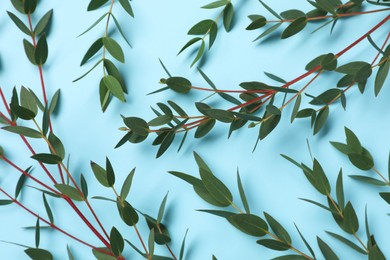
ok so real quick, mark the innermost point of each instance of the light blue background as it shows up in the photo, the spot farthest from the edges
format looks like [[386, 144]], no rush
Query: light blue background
[[272, 184]]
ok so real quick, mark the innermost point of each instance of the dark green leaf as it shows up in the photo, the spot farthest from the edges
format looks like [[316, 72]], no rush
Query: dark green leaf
[[57, 145], [162, 209], [160, 120], [360, 70], [326, 97], [189, 43], [114, 86], [362, 161], [28, 101], [110, 173], [268, 31], [249, 224], [353, 142], [201, 28], [113, 71], [37, 233], [242, 193], [69, 191], [19, 23], [322, 182], [38, 254], [5, 202], [350, 219], [385, 196], [70, 255], [329, 62], [84, 186], [48, 209], [348, 243], [340, 190], [204, 128], [103, 256], [137, 125], [305, 242], [181, 255], [47, 158], [151, 242], [200, 53], [128, 214], [279, 230], [292, 14], [326, 250], [215, 4], [29, 50], [270, 10], [29, 6], [216, 188], [167, 141], [271, 120], [21, 181], [95, 4], [315, 62], [114, 48], [116, 241], [41, 50], [296, 26], [368, 180], [94, 24], [43, 23], [273, 244], [126, 5], [179, 84], [321, 120], [296, 108], [95, 47], [257, 24], [381, 76], [127, 185], [228, 15], [213, 34], [221, 115], [100, 174], [22, 112]]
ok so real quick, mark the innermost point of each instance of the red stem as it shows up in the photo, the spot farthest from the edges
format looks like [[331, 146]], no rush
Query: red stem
[[28, 175], [5, 101], [53, 225]]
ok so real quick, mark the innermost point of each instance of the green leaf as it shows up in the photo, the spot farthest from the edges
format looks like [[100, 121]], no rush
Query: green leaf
[[166, 142], [292, 14], [271, 120], [118, 26], [249, 224], [27, 100], [362, 161], [37, 233], [114, 49], [102, 256], [114, 87], [270, 10], [268, 31], [128, 214], [19, 23], [348, 243], [110, 173], [95, 47], [215, 4], [228, 15], [242, 193], [57, 145], [204, 128], [21, 181], [326, 6], [350, 219], [70, 255], [322, 182], [126, 5], [340, 190], [189, 43], [201, 163], [368, 180], [113, 71], [187, 178], [43, 23], [321, 120], [381, 76], [94, 24], [95, 4], [84, 186], [257, 24], [385, 196], [116, 241], [326, 97], [162, 209], [29, 6], [326, 250], [5, 202], [137, 125], [296, 108], [181, 255], [151, 242], [295, 27], [279, 230], [69, 191], [329, 62], [179, 84], [41, 50], [201, 28], [47, 158], [48, 209], [22, 112], [305, 242], [100, 174], [360, 70], [29, 50], [18, 4], [213, 34], [353, 142], [38, 254], [221, 115], [376, 254], [216, 188], [200, 53], [160, 120], [273, 244], [290, 257], [127, 185]]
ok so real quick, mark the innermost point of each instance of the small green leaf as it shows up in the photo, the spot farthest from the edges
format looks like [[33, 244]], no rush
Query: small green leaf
[[189, 43], [350, 219], [201, 28], [200, 53], [128, 214], [183, 244], [29, 50], [268, 31], [270, 10], [114, 86], [271, 120], [84, 185], [381, 76], [242, 193], [95, 47], [151, 242], [273, 244], [215, 4], [296, 108], [114, 49], [292, 14], [179, 84], [228, 16], [48, 209], [322, 182], [19, 23], [160, 120], [116, 241], [257, 24], [348, 243], [166, 143], [37, 233], [162, 209], [340, 190], [47, 158], [69, 191], [249, 224], [127, 7], [137, 125], [38, 254], [213, 34], [368, 180], [204, 128], [57, 145], [94, 24], [43, 23], [28, 101], [110, 173], [70, 255], [279, 230], [326, 250], [21, 112], [385, 196], [41, 50], [216, 188], [353, 142], [127, 185], [102, 256], [221, 115], [321, 120], [329, 62], [22, 179], [100, 174], [95, 4], [295, 27], [305, 242], [362, 161]]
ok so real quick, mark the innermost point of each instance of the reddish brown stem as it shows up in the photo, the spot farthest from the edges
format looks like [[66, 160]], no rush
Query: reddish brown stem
[[233, 91], [28, 175], [6, 118], [5, 101], [51, 224]]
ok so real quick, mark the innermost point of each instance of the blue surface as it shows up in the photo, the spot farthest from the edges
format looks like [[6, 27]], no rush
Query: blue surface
[[272, 184]]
